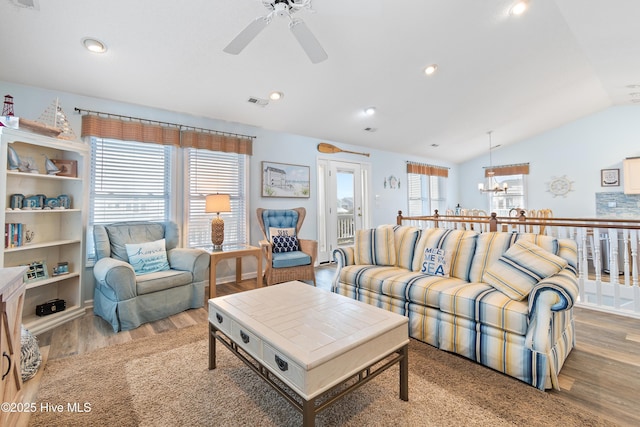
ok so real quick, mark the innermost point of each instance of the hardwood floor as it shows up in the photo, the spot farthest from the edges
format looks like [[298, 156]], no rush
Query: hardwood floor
[[602, 372]]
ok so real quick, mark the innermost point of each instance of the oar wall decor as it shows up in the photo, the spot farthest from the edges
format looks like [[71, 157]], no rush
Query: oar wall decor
[[323, 147]]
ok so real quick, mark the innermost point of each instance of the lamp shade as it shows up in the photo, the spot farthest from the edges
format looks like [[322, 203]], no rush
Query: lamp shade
[[218, 203]]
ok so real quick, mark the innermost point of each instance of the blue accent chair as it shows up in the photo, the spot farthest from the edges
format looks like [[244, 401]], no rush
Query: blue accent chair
[[125, 300], [291, 265]]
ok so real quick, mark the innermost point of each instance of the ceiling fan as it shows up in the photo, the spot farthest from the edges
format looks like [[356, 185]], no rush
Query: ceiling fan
[[281, 8]]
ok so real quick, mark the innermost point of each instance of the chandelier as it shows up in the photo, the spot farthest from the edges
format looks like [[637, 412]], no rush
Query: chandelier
[[492, 184]]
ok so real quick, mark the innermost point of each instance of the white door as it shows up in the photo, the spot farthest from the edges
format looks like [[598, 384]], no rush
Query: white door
[[342, 204]]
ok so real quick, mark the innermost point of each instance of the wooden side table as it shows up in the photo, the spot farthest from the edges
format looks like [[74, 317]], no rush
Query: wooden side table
[[237, 252]]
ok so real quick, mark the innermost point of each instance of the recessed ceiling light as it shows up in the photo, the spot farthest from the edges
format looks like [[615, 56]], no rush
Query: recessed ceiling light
[[519, 7], [94, 45], [276, 96], [370, 111], [430, 69]]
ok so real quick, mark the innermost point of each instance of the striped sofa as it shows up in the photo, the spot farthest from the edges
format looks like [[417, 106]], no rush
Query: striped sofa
[[506, 302]]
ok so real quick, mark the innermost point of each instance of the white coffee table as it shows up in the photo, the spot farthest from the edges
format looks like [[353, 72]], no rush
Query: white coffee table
[[319, 344]]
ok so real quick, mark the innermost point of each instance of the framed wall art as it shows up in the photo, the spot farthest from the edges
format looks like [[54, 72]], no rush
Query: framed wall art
[[285, 180], [610, 177]]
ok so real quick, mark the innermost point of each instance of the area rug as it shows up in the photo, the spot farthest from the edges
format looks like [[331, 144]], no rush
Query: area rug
[[164, 381]]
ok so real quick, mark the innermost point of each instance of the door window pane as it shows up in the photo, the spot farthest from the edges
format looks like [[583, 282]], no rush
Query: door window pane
[[345, 207]]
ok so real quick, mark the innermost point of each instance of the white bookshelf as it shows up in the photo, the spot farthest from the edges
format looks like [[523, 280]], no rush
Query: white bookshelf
[[58, 234]]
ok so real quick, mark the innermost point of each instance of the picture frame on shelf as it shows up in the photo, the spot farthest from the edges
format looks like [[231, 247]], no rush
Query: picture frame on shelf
[[61, 268], [285, 180], [610, 177], [67, 167], [37, 270]]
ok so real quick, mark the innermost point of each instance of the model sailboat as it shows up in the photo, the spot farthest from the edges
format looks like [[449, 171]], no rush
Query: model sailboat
[[50, 167], [54, 116]]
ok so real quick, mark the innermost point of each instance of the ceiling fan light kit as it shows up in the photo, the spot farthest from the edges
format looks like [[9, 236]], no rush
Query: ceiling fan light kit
[[299, 29]]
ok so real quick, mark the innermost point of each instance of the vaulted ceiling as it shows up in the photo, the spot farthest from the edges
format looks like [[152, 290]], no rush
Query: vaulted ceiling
[[515, 75]]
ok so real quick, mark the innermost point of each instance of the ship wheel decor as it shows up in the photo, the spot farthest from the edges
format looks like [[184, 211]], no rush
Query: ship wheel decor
[[560, 186]]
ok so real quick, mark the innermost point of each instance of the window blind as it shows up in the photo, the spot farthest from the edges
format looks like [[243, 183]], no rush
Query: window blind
[[210, 172], [130, 181], [425, 194]]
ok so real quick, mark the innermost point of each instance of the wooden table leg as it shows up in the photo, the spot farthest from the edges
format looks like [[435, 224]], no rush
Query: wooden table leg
[[212, 278], [238, 269], [259, 282], [308, 413], [404, 373], [212, 347]]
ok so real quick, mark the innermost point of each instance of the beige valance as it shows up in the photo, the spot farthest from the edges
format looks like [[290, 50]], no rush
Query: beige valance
[[423, 169], [165, 134], [520, 169]]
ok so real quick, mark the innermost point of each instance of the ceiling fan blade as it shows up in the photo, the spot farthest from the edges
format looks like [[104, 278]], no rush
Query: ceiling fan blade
[[249, 33], [308, 41]]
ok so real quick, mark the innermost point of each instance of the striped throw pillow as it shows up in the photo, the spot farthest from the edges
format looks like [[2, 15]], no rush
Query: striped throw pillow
[[405, 238], [520, 268], [375, 246]]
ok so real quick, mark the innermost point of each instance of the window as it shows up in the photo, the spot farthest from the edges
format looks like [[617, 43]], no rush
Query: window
[[122, 190], [166, 177], [130, 181], [211, 172], [426, 194], [515, 196], [426, 189]]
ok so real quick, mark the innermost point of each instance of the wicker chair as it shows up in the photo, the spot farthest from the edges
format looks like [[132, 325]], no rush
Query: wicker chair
[[286, 264]]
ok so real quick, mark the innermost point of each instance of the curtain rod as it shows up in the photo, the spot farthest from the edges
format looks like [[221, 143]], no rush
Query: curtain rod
[[180, 126], [506, 166], [426, 164]]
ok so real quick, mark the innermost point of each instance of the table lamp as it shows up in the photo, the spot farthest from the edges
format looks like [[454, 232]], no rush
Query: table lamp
[[217, 203]]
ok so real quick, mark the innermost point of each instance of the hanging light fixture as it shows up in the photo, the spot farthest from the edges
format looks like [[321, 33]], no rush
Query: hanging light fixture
[[493, 186]]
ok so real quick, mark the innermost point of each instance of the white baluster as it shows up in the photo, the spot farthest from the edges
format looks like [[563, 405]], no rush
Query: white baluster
[[583, 263], [634, 257], [613, 266], [625, 238], [634, 270], [597, 264]]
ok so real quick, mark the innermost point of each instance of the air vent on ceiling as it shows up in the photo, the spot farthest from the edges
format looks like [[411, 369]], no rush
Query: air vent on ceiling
[[371, 129], [28, 4], [258, 101]]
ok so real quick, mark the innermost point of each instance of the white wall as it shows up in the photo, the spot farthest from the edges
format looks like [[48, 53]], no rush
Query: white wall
[[579, 150]]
